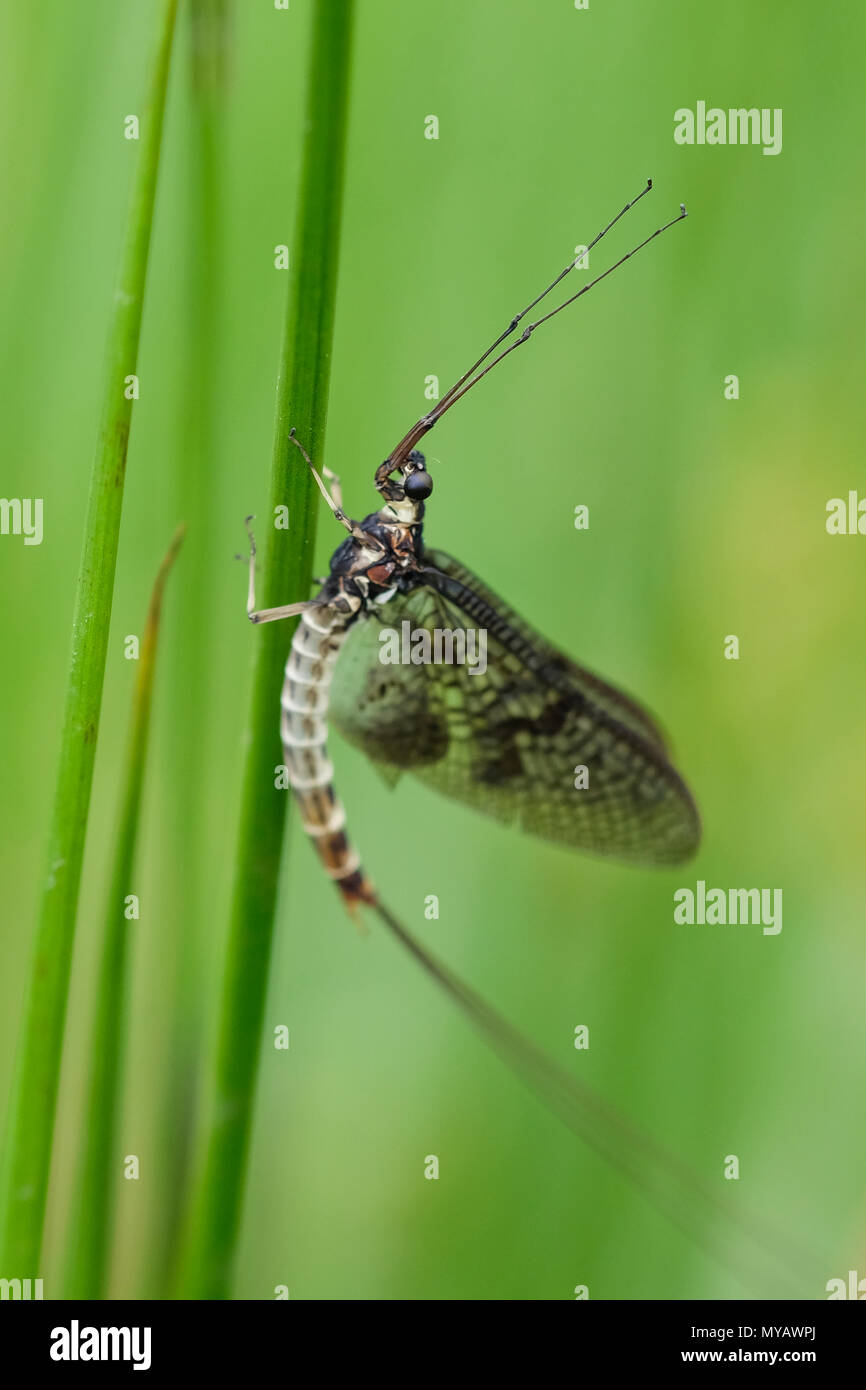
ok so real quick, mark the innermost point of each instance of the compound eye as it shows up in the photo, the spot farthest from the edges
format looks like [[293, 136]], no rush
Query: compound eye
[[418, 485]]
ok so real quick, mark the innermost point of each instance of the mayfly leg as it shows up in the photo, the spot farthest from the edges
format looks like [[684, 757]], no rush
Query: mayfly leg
[[335, 501], [268, 615], [336, 485]]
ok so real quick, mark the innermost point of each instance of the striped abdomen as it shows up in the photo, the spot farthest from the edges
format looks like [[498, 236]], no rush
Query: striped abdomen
[[304, 731]]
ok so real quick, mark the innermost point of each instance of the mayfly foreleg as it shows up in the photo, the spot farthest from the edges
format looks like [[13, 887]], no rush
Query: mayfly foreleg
[[335, 501], [268, 615], [336, 486]]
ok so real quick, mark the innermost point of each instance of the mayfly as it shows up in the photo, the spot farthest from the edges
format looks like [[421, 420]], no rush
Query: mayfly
[[505, 742]]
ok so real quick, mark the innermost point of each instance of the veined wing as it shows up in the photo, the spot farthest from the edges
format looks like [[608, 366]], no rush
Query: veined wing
[[509, 740]]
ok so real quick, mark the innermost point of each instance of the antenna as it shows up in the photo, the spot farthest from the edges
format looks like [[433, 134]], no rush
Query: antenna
[[473, 376]]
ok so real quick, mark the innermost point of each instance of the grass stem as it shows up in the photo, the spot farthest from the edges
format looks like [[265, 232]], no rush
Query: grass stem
[[24, 1183], [90, 1224], [190, 638], [302, 394]]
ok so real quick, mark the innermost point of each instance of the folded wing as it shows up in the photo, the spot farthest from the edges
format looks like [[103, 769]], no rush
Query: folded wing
[[508, 740]]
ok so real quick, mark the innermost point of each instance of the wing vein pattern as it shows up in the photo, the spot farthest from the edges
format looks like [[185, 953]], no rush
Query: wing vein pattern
[[507, 740]]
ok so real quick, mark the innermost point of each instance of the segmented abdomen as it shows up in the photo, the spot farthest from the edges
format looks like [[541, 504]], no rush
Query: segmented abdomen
[[304, 731]]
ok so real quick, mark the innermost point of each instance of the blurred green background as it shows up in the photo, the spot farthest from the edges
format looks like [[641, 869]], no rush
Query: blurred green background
[[707, 518]]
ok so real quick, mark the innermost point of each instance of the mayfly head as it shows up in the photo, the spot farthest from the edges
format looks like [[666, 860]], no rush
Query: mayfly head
[[417, 483], [412, 484]]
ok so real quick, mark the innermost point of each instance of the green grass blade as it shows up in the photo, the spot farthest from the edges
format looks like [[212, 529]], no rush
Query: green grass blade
[[302, 395], [195, 618], [34, 1092], [89, 1231]]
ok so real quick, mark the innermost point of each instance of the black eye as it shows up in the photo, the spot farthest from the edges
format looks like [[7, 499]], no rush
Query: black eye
[[418, 485]]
